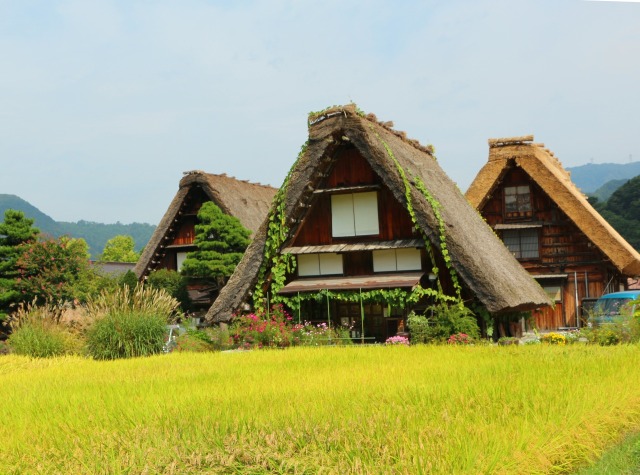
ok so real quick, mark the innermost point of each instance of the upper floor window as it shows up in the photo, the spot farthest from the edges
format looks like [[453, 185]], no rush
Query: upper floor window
[[523, 243], [517, 201], [354, 214]]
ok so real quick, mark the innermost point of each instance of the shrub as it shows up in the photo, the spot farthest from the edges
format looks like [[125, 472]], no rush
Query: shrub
[[174, 283], [126, 334], [220, 337], [446, 320], [418, 327], [194, 340], [625, 329]]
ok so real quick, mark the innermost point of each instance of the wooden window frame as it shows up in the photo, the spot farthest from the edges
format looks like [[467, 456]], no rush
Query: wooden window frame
[[360, 221], [523, 207], [521, 234]]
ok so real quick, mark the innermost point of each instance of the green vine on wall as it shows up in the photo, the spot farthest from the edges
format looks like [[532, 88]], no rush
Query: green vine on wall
[[277, 232], [435, 206], [396, 297]]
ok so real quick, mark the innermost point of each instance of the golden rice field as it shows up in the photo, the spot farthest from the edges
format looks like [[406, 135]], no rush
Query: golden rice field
[[423, 409]]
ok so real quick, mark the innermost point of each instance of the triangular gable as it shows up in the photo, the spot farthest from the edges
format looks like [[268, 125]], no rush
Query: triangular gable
[[406, 169], [249, 202], [547, 172]]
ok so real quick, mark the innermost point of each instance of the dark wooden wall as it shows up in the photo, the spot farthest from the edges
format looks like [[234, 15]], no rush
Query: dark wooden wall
[[563, 249], [351, 169]]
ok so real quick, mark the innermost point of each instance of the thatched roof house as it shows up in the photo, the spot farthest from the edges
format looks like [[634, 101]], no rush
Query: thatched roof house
[[547, 171], [249, 202], [402, 171], [524, 193]]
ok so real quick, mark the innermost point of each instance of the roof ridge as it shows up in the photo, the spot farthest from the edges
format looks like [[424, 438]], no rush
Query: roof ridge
[[352, 110], [224, 175], [506, 141]]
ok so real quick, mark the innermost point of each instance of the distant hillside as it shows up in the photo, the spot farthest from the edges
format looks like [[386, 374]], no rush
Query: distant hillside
[[605, 191], [96, 234], [592, 176], [622, 211]]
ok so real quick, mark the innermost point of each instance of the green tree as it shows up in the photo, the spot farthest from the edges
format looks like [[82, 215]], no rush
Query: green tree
[[54, 270], [120, 249], [221, 240], [622, 211], [16, 231]]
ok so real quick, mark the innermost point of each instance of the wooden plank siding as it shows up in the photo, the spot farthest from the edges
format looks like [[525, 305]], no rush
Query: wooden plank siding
[[562, 250], [353, 170]]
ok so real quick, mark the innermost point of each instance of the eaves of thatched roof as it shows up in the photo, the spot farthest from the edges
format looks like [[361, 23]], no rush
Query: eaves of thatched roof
[[249, 202], [547, 171], [479, 257]]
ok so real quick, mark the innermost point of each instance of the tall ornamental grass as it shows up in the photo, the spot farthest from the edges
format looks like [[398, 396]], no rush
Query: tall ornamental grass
[[343, 410], [129, 323], [37, 331]]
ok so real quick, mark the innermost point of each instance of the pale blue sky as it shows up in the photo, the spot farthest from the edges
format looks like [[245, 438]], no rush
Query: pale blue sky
[[103, 104]]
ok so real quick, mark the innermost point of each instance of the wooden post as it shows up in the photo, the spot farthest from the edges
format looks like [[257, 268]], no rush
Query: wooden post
[[361, 319], [328, 315]]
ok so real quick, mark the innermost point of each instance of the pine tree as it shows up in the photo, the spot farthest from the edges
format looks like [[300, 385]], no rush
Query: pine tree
[[16, 231], [221, 240]]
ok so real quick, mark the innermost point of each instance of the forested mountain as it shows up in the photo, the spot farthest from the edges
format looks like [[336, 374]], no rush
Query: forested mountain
[[605, 191], [96, 234], [622, 211], [592, 176]]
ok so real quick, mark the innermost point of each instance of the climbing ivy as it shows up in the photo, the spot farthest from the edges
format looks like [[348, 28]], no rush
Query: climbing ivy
[[435, 206], [278, 263], [395, 297]]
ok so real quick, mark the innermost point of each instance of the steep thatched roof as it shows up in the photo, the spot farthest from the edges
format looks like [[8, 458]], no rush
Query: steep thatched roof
[[249, 202], [547, 171], [481, 260]]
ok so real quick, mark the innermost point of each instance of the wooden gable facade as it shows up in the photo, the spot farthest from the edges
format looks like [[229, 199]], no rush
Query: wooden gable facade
[[357, 211], [371, 245], [526, 196], [174, 237]]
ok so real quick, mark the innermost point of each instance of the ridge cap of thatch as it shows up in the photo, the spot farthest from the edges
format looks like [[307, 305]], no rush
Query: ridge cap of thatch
[[196, 175], [506, 141], [352, 111]]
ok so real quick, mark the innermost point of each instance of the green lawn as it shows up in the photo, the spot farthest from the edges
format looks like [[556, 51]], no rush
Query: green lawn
[[622, 459], [423, 409]]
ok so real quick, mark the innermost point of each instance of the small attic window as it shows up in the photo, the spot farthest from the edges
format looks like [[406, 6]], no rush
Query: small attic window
[[354, 214], [517, 201]]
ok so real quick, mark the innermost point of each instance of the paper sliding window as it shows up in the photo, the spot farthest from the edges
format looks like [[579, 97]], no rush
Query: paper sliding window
[[392, 260], [319, 264], [354, 214], [180, 258]]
